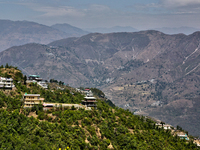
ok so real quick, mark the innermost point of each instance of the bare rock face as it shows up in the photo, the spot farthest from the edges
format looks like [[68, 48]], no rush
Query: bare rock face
[[148, 72]]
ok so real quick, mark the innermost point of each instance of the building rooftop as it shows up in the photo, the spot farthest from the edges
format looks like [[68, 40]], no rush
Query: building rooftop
[[31, 94], [89, 97], [2, 78], [36, 76], [89, 101]]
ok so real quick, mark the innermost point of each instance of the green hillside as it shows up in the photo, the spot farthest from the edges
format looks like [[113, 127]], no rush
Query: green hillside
[[67, 128]]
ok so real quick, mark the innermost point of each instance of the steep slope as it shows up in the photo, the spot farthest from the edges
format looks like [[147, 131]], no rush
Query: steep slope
[[45, 61], [119, 53], [69, 128], [171, 77]]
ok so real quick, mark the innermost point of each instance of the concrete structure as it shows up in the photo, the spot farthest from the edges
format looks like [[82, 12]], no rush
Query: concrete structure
[[38, 80], [34, 77], [183, 136], [43, 84], [47, 105], [6, 83], [86, 91], [32, 99], [89, 101], [197, 141], [165, 126]]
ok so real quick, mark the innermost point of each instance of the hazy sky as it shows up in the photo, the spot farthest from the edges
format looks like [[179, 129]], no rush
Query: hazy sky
[[140, 14]]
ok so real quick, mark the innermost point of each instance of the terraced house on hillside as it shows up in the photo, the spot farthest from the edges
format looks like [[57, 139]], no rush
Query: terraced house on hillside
[[6, 83], [38, 80], [32, 99]]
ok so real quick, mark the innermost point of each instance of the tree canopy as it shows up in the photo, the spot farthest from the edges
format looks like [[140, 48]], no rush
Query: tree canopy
[[102, 128]]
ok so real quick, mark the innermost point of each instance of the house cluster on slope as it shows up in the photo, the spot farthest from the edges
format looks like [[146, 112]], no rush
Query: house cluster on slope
[[34, 99], [38, 80], [7, 83], [30, 100], [181, 135]]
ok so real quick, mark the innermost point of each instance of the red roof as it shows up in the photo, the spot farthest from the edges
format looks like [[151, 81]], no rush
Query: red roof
[[87, 89]]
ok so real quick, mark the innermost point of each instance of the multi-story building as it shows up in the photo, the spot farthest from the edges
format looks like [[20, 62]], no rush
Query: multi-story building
[[89, 101], [6, 83], [32, 99]]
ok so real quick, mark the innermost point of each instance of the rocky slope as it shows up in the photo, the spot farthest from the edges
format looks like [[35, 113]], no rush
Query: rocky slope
[[148, 72]]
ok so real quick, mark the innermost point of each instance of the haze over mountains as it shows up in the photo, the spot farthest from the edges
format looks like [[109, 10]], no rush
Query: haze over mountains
[[149, 72], [184, 30], [166, 30], [112, 29], [73, 31], [14, 33]]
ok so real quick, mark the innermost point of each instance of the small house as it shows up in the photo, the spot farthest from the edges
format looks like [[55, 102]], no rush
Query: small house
[[167, 126], [183, 136], [6, 83], [35, 77]]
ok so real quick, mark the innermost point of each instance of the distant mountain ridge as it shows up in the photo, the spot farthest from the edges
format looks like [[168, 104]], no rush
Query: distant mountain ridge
[[15, 33], [113, 29], [67, 28], [184, 30]]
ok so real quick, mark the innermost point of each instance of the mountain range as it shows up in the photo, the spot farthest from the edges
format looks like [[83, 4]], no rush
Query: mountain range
[[166, 30], [148, 72], [15, 33]]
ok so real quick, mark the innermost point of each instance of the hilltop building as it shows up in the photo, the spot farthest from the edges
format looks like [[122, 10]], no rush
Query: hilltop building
[[6, 83], [165, 126], [32, 99], [183, 136], [38, 80], [34, 77], [89, 102]]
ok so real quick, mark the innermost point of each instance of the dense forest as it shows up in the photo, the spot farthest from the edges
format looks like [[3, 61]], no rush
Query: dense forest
[[69, 128]]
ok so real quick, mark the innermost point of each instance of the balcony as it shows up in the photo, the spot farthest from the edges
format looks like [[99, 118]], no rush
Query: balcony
[[33, 103], [91, 105], [34, 99]]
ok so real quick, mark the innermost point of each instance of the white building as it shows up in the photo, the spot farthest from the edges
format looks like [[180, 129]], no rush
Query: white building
[[165, 126], [6, 83], [38, 80], [43, 84]]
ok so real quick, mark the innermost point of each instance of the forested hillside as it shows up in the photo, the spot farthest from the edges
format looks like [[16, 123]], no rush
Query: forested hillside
[[103, 128]]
